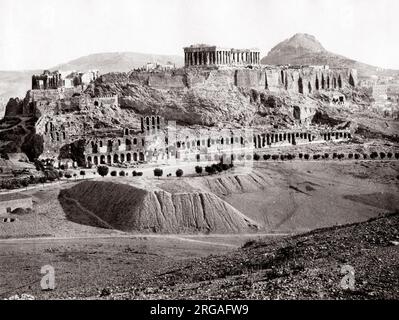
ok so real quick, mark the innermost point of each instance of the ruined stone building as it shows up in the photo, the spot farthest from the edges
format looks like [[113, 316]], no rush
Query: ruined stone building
[[56, 79], [204, 55]]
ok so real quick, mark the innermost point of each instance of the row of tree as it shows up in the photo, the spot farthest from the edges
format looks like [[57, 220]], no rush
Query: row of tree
[[306, 156]]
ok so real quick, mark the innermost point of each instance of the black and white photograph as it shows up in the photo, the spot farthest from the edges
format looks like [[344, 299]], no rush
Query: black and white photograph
[[223, 152]]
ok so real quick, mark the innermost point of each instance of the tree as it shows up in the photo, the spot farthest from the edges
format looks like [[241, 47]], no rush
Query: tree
[[75, 175], [306, 156], [335, 155], [102, 170], [82, 173], [68, 175], [122, 173], [364, 156], [256, 157], [300, 155], [326, 155], [275, 156], [113, 173], [210, 169], [266, 156], [225, 166], [134, 173], [350, 155], [198, 169], [158, 172], [179, 173]]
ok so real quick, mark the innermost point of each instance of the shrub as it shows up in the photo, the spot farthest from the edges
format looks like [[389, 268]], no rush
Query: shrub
[[282, 157], [225, 167], [275, 156], [350, 155], [382, 155], [179, 173], [66, 175], [326, 155], [256, 157], [210, 169], [122, 173], [266, 156], [198, 169], [335, 155], [82, 173], [231, 165], [102, 170], [316, 156], [134, 173], [139, 174], [306, 156], [158, 172], [60, 174], [113, 173]]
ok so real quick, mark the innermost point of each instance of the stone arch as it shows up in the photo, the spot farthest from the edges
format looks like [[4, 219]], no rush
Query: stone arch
[[109, 159], [94, 147], [178, 144], [135, 141], [116, 158], [334, 83], [46, 127], [57, 134], [323, 82], [109, 145], [282, 77], [128, 157], [95, 159], [310, 87], [141, 156], [209, 142], [128, 143], [101, 143], [102, 159], [351, 80], [153, 121], [328, 82], [339, 82], [300, 85], [89, 160], [122, 157], [317, 84], [135, 156], [126, 131], [96, 103]]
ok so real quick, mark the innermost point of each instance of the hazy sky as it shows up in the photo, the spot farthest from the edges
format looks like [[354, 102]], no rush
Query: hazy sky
[[43, 33]]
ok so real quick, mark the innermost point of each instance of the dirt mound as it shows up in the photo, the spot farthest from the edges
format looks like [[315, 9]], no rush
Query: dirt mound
[[128, 208]]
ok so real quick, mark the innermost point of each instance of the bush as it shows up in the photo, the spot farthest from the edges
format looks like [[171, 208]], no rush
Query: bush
[[113, 173], [365, 156], [60, 174], [282, 157], [179, 173], [210, 169], [231, 165], [326, 155], [198, 169], [335, 155], [389, 155], [134, 173], [266, 156], [102, 170], [350, 155], [275, 156], [306, 156], [316, 156], [82, 173], [122, 173], [300, 155], [66, 175], [225, 167], [158, 172], [139, 174], [256, 157], [382, 155]]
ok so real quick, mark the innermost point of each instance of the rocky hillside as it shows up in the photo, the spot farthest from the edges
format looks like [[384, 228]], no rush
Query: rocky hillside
[[305, 49], [315, 265]]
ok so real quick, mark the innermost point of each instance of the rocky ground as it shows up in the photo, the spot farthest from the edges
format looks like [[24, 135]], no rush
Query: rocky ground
[[314, 265]]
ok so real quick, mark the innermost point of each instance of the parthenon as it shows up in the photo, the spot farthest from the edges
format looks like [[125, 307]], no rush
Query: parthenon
[[204, 55]]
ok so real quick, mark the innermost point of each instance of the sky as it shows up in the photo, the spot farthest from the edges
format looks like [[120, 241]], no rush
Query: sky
[[43, 33]]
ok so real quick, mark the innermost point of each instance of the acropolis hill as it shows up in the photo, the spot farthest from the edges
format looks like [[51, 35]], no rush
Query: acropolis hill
[[89, 118]]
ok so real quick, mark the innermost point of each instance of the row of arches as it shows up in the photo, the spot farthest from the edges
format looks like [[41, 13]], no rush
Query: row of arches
[[57, 136], [320, 84], [209, 142], [115, 158], [119, 145], [150, 122]]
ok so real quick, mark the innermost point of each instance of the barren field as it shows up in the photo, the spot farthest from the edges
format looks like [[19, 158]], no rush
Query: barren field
[[282, 198]]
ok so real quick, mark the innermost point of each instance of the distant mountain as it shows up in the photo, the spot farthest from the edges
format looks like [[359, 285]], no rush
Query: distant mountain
[[305, 49], [117, 61], [16, 83]]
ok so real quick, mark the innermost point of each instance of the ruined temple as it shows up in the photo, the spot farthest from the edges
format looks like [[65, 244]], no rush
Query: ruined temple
[[204, 55]]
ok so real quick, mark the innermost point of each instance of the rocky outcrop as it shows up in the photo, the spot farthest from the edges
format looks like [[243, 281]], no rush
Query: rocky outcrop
[[128, 208]]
